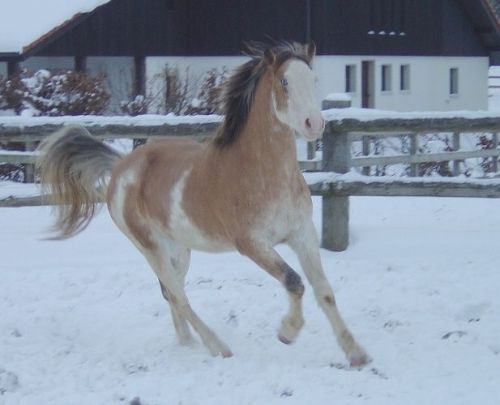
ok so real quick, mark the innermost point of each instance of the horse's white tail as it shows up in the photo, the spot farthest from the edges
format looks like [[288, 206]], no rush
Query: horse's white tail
[[74, 171]]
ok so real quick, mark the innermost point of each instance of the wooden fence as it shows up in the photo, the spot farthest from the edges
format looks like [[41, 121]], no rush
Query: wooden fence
[[335, 182], [337, 158]]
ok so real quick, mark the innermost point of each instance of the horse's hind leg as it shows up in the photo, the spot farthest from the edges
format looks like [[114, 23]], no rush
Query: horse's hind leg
[[162, 260], [181, 326], [306, 245], [179, 259]]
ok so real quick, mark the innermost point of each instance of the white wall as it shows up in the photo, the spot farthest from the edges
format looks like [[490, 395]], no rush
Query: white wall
[[119, 73], [429, 78], [429, 82], [40, 62]]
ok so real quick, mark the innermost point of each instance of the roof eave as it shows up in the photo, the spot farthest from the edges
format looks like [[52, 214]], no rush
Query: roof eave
[[9, 56], [54, 34], [491, 38]]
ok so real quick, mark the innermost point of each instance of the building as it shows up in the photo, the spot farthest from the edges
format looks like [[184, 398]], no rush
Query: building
[[389, 54]]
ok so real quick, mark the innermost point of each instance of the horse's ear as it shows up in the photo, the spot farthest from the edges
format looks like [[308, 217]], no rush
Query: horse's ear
[[269, 57], [311, 51]]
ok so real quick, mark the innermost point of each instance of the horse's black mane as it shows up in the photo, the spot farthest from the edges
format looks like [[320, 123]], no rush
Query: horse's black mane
[[239, 91]]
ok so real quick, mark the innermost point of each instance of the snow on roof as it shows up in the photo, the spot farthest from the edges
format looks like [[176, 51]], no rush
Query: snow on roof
[[22, 22]]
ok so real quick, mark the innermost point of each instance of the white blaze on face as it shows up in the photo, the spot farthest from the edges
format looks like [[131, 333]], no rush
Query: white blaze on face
[[302, 112]]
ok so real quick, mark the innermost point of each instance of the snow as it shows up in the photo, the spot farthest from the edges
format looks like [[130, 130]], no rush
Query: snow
[[83, 320], [353, 176], [339, 114], [148, 120], [24, 21], [338, 97], [368, 114], [14, 189]]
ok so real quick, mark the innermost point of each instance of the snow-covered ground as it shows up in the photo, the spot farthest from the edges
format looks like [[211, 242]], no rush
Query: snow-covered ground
[[83, 321]]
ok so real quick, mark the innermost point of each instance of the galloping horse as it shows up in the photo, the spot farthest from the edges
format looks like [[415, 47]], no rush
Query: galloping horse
[[242, 190]]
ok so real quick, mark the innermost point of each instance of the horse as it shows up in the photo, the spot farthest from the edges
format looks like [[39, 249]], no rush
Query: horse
[[240, 191]]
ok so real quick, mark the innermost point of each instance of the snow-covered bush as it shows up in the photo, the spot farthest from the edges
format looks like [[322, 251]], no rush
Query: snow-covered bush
[[12, 172], [207, 101], [177, 90], [436, 143], [11, 94], [138, 106], [179, 93], [54, 94], [428, 144], [487, 141]]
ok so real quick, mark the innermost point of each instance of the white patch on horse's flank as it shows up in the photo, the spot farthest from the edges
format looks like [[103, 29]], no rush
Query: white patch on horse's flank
[[182, 230], [301, 96], [118, 199]]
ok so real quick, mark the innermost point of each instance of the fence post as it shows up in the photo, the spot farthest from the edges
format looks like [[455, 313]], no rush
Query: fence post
[[413, 151], [29, 168], [334, 100], [495, 146], [335, 224], [366, 151], [456, 148]]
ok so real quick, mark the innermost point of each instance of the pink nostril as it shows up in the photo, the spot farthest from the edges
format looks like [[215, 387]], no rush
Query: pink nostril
[[308, 123]]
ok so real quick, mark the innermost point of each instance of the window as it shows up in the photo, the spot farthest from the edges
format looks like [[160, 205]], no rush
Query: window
[[404, 78], [350, 78], [386, 78], [453, 81]]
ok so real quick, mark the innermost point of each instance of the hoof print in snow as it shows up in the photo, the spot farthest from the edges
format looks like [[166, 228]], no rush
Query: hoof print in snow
[[286, 393], [340, 366], [232, 318], [495, 350], [135, 369], [392, 324], [16, 333], [9, 382], [136, 401], [455, 333], [378, 373]]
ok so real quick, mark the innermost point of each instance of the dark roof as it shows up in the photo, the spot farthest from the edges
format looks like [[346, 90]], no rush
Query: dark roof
[[218, 27], [485, 18]]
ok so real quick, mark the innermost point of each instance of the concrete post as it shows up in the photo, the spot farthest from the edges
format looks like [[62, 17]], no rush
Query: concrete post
[[336, 158]]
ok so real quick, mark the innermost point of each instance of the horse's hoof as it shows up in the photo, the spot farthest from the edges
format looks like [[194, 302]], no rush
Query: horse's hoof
[[226, 354], [360, 361], [284, 340]]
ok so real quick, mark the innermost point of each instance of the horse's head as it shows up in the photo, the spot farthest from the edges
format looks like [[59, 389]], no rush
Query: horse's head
[[293, 88], [287, 66]]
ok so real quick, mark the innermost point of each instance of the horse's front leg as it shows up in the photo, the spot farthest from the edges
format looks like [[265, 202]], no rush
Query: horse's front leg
[[268, 259], [305, 244]]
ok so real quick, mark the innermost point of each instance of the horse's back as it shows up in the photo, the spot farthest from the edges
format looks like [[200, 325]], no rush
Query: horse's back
[[156, 165]]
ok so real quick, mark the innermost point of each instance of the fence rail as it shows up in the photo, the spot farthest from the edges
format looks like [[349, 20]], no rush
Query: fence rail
[[337, 157], [335, 184]]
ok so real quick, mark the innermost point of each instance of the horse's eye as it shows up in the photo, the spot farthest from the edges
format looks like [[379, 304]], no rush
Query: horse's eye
[[284, 82]]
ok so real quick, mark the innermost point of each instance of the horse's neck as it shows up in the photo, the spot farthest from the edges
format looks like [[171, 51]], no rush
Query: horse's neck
[[265, 140]]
